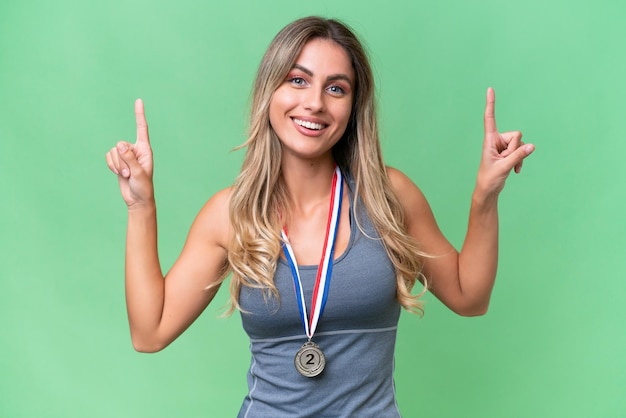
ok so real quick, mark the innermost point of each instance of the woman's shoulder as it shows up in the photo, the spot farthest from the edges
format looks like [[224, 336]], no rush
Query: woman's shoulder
[[219, 203], [213, 219], [399, 181], [410, 196]]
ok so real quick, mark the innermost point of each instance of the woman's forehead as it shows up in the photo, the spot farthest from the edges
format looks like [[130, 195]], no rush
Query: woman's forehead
[[324, 57]]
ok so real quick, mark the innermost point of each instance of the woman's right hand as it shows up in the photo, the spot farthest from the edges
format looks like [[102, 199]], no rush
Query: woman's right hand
[[133, 164]]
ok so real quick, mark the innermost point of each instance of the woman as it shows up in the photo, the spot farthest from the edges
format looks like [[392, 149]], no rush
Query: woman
[[314, 209]]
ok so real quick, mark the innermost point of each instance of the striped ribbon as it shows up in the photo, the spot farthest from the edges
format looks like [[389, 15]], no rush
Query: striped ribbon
[[325, 268]]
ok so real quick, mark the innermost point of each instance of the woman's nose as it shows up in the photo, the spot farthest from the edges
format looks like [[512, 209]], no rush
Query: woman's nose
[[314, 100]]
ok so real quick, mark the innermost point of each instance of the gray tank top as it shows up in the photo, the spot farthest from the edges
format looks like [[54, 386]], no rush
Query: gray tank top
[[357, 333]]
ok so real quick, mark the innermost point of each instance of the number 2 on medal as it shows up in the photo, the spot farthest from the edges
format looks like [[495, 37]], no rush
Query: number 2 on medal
[[310, 361]]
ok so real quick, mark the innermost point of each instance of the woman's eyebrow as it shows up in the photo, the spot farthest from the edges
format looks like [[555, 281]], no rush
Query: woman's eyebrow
[[339, 77], [329, 78], [303, 69]]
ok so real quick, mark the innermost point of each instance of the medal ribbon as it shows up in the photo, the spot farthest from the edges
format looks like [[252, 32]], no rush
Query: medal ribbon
[[325, 268]]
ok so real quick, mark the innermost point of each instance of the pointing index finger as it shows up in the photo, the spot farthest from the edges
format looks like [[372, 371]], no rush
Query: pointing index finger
[[142, 124], [490, 112]]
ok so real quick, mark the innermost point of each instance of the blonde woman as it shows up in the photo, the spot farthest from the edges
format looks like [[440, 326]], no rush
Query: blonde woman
[[314, 210]]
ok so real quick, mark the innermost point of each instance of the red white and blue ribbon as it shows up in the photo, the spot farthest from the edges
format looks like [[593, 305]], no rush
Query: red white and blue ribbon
[[325, 268]]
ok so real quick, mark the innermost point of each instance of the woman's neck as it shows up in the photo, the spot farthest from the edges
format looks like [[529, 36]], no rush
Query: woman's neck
[[308, 183]]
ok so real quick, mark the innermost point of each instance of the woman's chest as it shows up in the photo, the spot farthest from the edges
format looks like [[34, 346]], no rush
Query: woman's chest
[[361, 294]]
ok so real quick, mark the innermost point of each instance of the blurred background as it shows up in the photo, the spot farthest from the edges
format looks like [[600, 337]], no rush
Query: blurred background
[[554, 341]]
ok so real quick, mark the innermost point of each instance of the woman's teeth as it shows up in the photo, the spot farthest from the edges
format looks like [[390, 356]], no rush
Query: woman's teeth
[[309, 125]]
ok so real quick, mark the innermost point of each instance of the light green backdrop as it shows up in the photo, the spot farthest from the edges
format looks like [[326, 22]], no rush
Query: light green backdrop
[[554, 341]]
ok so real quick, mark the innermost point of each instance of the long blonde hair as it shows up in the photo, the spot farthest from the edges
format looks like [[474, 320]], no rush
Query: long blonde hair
[[259, 192]]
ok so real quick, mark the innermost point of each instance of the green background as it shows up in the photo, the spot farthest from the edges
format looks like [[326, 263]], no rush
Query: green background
[[554, 341]]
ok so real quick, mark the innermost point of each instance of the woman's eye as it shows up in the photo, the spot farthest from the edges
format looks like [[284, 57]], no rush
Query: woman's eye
[[297, 81], [336, 90]]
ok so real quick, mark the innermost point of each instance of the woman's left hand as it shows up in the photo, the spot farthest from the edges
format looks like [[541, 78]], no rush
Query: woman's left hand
[[502, 152]]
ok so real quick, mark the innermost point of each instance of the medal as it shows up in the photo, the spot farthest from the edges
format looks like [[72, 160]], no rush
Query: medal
[[310, 360]]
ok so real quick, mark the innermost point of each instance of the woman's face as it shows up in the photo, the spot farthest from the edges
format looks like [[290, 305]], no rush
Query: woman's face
[[310, 110]]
